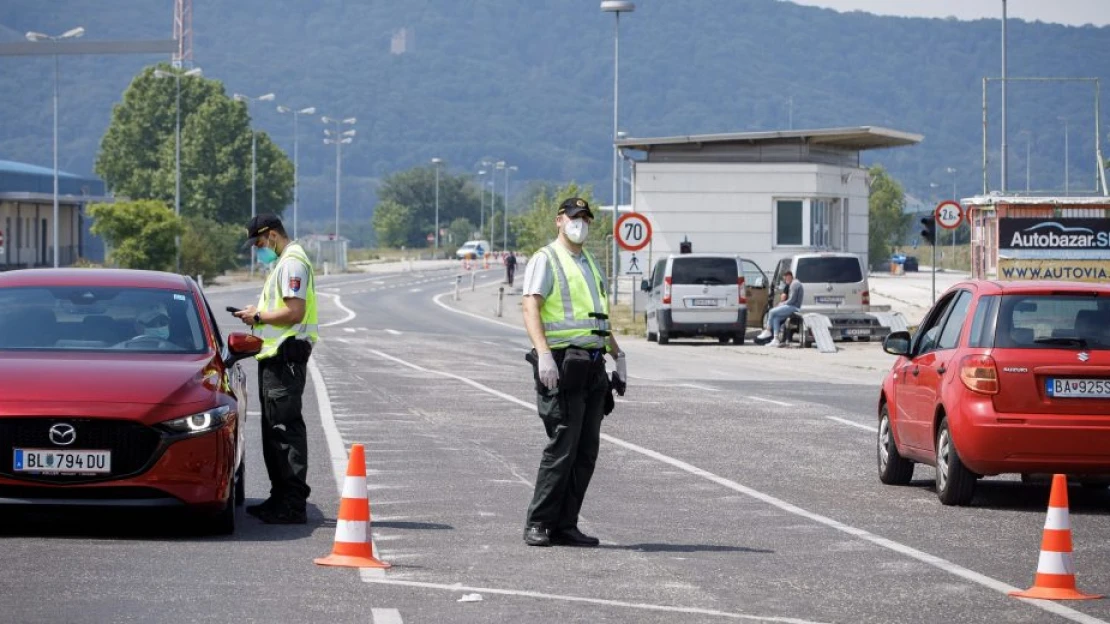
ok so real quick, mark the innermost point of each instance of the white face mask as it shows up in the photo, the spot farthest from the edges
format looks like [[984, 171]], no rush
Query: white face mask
[[576, 230], [158, 332]]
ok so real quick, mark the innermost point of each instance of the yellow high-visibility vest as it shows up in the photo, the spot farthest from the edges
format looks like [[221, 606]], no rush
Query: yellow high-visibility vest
[[271, 299], [577, 312]]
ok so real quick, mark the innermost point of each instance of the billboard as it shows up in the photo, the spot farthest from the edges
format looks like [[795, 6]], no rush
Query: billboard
[[1053, 234], [1018, 269]]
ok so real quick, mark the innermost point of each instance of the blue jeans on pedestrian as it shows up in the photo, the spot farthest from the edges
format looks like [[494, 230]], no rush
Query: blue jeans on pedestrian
[[777, 316]]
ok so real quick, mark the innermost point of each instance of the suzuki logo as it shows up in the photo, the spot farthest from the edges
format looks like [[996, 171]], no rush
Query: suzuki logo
[[63, 434], [1084, 356]]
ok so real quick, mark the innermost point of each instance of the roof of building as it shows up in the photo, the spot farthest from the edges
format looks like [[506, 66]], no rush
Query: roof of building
[[1018, 200], [25, 181], [852, 138]]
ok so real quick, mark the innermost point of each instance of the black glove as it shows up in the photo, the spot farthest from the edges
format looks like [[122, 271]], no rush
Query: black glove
[[616, 384]]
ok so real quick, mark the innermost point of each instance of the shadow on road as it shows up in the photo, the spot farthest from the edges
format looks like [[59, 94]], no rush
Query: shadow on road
[[420, 526], [1032, 497], [684, 548]]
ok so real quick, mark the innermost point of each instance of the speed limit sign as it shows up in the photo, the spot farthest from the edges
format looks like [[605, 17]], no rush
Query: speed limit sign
[[949, 215], [633, 231]]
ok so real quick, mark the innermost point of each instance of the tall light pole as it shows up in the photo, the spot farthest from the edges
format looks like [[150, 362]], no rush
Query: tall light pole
[[505, 215], [338, 139], [254, 160], [311, 110], [176, 75], [1067, 173], [1028, 156], [952, 172], [36, 37], [436, 163], [482, 209], [616, 7], [1005, 147]]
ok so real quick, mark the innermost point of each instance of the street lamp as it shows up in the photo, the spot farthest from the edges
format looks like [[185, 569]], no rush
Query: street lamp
[[1067, 174], [37, 37], [338, 139], [952, 171], [502, 166], [176, 75], [311, 110], [482, 209], [254, 160], [616, 7], [1028, 155], [437, 162]]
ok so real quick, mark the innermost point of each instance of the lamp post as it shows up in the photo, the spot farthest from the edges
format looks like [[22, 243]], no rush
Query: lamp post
[[254, 161], [311, 110], [1028, 155], [436, 163], [482, 206], [616, 7], [1067, 173], [338, 139], [158, 73], [505, 215], [36, 37], [952, 172]]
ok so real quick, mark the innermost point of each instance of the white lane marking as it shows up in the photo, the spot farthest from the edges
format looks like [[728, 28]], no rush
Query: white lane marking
[[755, 398], [349, 329], [851, 423], [597, 601], [924, 557], [415, 290], [477, 316], [385, 616], [393, 332], [350, 313], [699, 387]]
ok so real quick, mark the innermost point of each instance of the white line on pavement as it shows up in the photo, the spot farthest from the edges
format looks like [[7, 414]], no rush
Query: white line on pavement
[[755, 398], [415, 290], [852, 423], [385, 616], [924, 557], [350, 313], [597, 601], [700, 387], [477, 316], [393, 332]]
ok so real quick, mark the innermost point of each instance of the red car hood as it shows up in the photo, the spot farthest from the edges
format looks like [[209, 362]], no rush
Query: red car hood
[[142, 387]]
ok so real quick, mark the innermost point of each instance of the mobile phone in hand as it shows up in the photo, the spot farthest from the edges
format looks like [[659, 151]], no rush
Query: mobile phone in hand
[[234, 310]]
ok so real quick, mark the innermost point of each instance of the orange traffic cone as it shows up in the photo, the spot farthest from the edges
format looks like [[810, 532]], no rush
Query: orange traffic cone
[[1055, 578], [485, 261], [352, 547]]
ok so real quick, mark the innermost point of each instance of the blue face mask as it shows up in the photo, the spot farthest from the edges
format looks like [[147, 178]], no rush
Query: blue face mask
[[266, 255]]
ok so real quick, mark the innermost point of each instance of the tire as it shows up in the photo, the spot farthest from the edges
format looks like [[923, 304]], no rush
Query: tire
[[664, 338], [893, 468], [241, 485], [222, 522], [740, 338], [722, 339], [955, 483]]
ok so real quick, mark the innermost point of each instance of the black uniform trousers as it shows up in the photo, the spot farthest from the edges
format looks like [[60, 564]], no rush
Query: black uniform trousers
[[284, 438], [573, 423]]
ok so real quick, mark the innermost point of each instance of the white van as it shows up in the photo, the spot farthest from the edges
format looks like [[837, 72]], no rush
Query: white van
[[701, 295], [473, 250], [835, 285]]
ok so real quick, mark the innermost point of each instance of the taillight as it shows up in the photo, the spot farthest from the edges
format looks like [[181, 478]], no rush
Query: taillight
[[979, 374], [866, 297], [666, 290], [740, 289]]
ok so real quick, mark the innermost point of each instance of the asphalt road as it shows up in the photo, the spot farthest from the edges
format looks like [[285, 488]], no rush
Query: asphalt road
[[730, 486]]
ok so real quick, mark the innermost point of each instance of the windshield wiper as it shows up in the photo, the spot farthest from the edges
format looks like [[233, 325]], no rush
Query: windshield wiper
[[1067, 341]]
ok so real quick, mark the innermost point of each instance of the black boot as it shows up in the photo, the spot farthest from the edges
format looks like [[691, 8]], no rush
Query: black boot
[[573, 537], [537, 535]]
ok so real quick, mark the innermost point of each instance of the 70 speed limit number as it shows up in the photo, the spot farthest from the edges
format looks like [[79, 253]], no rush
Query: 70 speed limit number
[[632, 231]]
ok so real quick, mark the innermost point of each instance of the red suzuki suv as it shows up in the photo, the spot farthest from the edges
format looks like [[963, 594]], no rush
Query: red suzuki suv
[[118, 390], [1001, 377]]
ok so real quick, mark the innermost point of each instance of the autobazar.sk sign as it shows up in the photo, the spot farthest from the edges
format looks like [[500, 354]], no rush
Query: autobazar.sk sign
[[1053, 234]]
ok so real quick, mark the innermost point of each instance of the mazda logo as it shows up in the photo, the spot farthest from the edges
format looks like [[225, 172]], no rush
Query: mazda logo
[[63, 434]]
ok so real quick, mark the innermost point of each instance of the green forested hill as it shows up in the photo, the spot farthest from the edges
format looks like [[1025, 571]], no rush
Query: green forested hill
[[530, 82]]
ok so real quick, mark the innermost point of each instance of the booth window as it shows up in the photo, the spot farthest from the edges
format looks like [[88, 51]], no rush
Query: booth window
[[788, 222]]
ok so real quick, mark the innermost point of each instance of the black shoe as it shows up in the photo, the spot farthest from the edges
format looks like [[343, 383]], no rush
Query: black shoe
[[283, 514], [258, 508], [573, 537], [537, 536]]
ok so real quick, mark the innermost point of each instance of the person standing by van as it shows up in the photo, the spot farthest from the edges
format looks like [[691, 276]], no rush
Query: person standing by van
[[777, 316], [510, 268]]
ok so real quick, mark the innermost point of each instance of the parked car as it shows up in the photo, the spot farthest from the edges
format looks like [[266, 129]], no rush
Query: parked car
[[836, 285], [1001, 377], [910, 264], [120, 391], [473, 250], [703, 295]]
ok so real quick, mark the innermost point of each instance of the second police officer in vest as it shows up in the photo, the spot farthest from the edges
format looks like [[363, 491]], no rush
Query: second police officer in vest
[[566, 313], [286, 319]]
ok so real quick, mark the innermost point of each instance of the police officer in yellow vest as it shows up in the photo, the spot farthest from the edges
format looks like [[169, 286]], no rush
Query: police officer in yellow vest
[[566, 313], [286, 319]]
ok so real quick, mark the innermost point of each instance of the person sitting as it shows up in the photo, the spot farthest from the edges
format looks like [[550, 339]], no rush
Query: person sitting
[[791, 304], [152, 325]]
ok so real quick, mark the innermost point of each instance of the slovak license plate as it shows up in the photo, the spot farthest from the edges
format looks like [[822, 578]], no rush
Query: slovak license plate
[[859, 331], [1078, 388], [76, 461], [820, 299], [705, 303]]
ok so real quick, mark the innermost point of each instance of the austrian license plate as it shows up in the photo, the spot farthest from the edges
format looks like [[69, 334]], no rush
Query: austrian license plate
[[705, 303], [859, 331], [1078, 388], [836, 300], [77, 461]]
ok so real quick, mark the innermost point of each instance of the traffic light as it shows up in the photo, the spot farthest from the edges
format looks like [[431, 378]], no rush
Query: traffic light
[[929, 229]]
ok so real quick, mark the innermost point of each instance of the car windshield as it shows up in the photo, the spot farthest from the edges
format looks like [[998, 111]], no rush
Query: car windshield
[[83, 318], [706, 271], [830, 269], [1053, 322]]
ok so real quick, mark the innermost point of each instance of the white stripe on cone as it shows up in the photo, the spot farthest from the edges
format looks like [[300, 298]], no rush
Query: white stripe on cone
[[350, 531], [1057, 519], [1055, 563], [354, 487]]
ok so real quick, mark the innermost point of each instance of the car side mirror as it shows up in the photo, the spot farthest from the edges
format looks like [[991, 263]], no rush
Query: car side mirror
[[645, 285], [241, 346], [897, 343], [760, 282]]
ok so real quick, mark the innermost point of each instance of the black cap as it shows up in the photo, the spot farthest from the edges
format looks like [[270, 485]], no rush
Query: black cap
[[574, 207], [260, 225]]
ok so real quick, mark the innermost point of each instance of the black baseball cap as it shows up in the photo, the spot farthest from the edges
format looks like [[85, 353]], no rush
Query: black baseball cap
[[574, 207], [259, 225]]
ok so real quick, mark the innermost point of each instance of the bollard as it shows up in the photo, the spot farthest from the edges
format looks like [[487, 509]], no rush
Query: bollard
[[200, 281], [472, 282], [458, 280], [500, 299]]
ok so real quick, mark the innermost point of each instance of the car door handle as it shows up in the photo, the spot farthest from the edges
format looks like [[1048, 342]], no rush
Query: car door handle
[[915, 371], [942, 370]]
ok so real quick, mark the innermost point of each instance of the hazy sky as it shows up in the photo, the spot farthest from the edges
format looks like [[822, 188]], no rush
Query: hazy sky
[[1073, 12]]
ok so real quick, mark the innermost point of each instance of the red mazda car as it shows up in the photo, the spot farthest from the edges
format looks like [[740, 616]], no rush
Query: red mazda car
[[118, 390], [1001, 377]]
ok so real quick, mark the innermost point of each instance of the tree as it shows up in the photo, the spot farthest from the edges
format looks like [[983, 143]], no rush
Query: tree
[[393, 223], [460, 231], [887, 218], [209, 248], [416, 190], [140, 234], [137, 153], [536, 227]]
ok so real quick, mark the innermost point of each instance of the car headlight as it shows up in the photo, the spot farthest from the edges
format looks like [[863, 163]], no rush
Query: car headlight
[[199, 423]]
